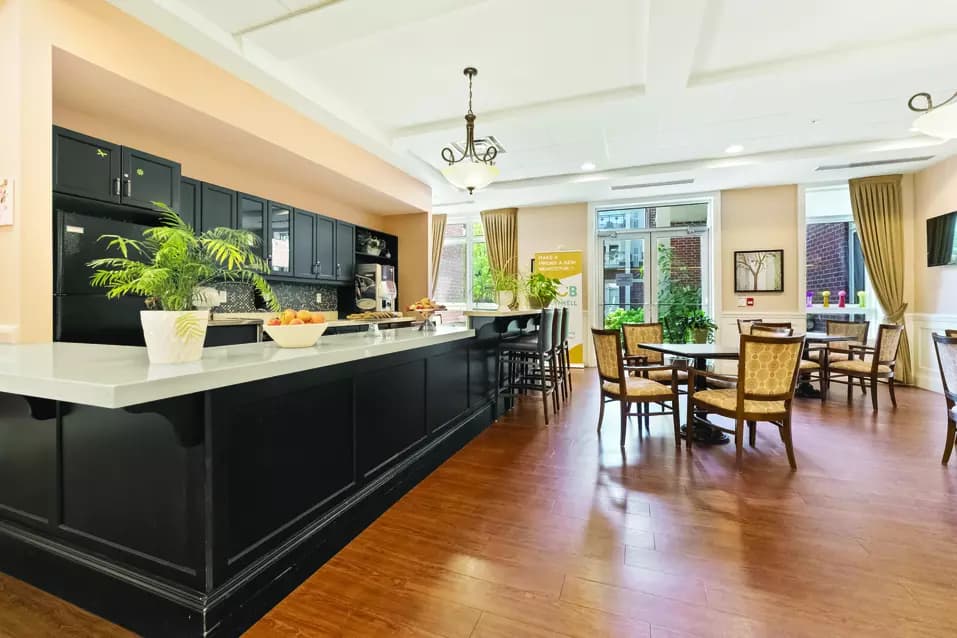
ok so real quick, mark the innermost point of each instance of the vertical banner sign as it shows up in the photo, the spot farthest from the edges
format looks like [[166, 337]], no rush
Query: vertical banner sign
[[566, 266]]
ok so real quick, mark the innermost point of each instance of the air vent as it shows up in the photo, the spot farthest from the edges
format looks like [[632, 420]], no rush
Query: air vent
[[481, 144], [674, 182], [902, 160]]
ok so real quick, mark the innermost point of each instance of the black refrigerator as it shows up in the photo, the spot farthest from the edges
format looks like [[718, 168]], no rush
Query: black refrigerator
[[82, 313]]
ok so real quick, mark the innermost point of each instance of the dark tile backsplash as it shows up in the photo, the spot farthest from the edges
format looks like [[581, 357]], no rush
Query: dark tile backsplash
[[242, 298]]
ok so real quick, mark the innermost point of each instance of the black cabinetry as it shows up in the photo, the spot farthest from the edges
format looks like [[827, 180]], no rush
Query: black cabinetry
[[190, 200], [345, 251], [279, 239], [325, 247], [251, 216], [304, 263], [218, 208], [94, 168]]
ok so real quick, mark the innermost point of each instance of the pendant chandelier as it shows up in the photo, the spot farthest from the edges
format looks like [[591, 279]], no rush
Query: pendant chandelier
[[938, 120], [470, 171]]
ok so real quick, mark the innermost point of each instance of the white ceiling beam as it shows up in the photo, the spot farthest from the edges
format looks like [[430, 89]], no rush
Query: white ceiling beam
[[529, 111], [674, 31]]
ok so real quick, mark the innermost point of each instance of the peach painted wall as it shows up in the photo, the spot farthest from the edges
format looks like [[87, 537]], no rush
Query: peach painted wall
[[760, 219], [935, 193], [414, 232]]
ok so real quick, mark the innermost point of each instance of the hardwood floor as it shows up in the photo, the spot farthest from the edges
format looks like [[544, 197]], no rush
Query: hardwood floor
[[535, 531]]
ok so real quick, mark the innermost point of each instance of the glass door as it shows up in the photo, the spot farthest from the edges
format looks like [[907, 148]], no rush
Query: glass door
[[656, 275], [625, 297]]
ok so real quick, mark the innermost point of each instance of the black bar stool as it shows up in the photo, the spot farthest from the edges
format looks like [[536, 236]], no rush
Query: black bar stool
[[530, 363]]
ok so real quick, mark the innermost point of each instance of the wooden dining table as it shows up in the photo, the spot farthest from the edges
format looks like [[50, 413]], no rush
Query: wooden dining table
[[700, 353]]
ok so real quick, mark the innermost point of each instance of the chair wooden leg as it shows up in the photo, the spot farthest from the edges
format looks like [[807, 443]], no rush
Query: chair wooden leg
[[890, 388], [752, 433], [553, 373], [873, 391], [568, 366], [949, 443], [689, 431], [738, 440], [676, 419], [850, 389], [601, 411], [788, 443], [863, 387], [624, 421]]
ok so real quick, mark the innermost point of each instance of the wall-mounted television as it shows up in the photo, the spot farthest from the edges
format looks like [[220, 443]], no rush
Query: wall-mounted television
[[942, 240]]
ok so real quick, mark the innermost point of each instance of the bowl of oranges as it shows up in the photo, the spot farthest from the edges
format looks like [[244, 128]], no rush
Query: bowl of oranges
[[296, 329]]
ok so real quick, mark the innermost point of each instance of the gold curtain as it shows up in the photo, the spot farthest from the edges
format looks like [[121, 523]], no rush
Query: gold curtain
[[438, 236], [501, 238], [879, 217]]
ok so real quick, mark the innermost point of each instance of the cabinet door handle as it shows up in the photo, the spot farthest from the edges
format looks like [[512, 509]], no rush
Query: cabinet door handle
[[116, 186], [129, 187], [338, 269]]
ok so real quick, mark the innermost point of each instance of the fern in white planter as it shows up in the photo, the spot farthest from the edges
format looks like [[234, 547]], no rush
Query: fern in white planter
[[166, 266]]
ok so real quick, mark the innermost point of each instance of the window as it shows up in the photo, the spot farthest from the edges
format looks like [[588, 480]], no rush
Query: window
[[834, 261], [465, 276], [653, 217]]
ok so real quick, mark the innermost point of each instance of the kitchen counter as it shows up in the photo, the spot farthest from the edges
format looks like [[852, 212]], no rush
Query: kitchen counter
[[502, 313], [492, 323], [118, 376], [185, 500], [332, 322]]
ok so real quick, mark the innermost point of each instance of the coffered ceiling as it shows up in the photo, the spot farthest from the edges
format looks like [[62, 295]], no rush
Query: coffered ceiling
[[649, 91]]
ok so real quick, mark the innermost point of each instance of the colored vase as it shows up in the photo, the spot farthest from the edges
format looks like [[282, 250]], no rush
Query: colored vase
[[827, 298], [842, 299], [810, 298], [861, 298]]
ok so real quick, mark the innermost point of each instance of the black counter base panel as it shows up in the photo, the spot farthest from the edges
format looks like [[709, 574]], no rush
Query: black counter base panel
[[194, 516]]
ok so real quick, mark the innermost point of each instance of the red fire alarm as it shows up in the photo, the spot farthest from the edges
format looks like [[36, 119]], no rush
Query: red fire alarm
[[750, 301]]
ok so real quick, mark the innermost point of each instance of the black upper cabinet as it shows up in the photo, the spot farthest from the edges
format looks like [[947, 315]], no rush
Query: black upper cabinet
[[304, 260], [85, 166], [94, 168], [147, 178], [325, 247], [218, 208], [190, 198], [345, 251], [279, 239], [252, 217]]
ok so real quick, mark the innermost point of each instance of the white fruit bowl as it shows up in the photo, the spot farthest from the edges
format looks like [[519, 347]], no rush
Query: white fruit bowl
[[299, 336]]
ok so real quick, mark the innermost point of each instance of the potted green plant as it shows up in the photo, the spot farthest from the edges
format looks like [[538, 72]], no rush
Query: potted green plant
[[700, 326], [541, 290], [168, 266], [619, 316], [506, 285]]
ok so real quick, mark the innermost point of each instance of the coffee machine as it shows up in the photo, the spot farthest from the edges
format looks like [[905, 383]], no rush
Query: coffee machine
[[375, 287]]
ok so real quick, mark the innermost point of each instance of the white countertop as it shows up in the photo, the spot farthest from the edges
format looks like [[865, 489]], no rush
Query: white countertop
[[496, 313], [262, 316], [118, 376]]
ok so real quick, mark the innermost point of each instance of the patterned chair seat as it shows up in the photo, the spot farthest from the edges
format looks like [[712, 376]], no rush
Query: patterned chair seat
[[815, 355], [858, 366], [665, 375], [807, 366], [728, 400], [638, 387]]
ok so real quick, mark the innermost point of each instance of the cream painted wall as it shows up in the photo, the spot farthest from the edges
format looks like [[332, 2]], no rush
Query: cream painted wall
[[97, 32], [414, 232], [935, 193], [760, 219], [562, 227]]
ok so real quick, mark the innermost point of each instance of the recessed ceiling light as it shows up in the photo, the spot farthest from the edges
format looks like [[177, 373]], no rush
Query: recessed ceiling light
[[588, 166], [734, 148]]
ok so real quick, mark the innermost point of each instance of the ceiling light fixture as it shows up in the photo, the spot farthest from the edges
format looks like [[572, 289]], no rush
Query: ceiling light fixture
[[472, 170], [734, 148], [938, 120], [588, 166]]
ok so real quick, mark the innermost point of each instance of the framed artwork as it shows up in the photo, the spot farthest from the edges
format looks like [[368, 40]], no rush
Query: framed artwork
[[759, 271], [6, 201]]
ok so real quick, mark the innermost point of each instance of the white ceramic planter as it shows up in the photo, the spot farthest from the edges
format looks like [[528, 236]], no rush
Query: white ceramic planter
[[504, 297], [174, 337]]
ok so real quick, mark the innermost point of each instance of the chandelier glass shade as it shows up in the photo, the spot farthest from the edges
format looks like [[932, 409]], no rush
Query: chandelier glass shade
[[936, 120], [471, 170]]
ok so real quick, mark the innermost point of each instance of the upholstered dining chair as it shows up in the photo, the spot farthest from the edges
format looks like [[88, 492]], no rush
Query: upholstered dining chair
[[946, 347], [744, 325], [617, 385], [636, 333], [811, 371], [872, 365], [856, 333], [768, 367]]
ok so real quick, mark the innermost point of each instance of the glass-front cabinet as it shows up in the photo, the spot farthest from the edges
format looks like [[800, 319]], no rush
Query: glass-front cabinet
[[278, 245]]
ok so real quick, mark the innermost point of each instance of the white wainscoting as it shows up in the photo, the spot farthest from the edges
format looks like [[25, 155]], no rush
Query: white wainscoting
[[920, 327], [728, 323]]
